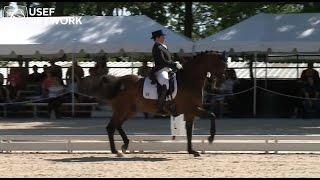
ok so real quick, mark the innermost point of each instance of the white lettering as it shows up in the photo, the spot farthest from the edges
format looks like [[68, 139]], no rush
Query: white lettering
[[45, 11], [39, 12], [32, 13], [55, 20], [51, 11], [66, 21], [78, 20], [71, 20]]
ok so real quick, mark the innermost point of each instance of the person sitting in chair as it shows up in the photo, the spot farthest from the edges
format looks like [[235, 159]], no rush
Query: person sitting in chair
[[163, 66]]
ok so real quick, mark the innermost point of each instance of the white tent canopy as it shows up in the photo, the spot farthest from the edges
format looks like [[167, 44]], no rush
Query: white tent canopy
[[280, 32], [96, 34]]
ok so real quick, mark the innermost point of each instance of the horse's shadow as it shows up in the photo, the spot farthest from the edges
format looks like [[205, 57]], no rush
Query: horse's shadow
[[101, 159]]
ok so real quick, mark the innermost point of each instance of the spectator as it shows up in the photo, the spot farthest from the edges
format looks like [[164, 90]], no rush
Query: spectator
[[35, 77], [227, 87], [310, 72], [101, 67], [297, 103], [86, 86], [56, 70], [44, 73], [78, 71], [92, 72], [16, 82], [4, 92], [23, 70], [78, 75], [51, 85], [311, 90], [53, 89], [144, 71]]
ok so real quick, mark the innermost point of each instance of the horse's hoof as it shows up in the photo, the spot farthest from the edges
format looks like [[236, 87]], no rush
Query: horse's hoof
[[196, 154], [119, 154], [124, 148], [210, 139]]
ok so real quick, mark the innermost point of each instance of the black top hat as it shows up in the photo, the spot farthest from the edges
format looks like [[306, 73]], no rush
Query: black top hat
[[157, 34]]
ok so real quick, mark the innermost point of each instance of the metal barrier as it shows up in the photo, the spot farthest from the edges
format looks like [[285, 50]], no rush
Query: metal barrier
[[160, 143]]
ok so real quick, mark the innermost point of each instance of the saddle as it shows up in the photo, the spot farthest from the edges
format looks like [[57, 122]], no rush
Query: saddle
[[151, 85], [154, 80]]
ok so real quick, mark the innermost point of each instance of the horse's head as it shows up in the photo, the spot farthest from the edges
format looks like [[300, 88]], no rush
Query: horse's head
[[220, 68], [215, 63]]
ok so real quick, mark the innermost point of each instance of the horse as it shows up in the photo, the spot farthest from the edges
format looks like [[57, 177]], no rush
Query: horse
[[124, 94]]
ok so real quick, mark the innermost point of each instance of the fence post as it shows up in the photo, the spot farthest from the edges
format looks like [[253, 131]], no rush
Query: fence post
[[69, 148], [276, 142], [267, 142], [140, 149], [1, 143], [35, 111], [5, 111], [202, 145]]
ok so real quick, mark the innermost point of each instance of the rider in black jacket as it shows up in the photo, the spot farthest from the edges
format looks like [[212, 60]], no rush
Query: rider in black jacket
[[162, 59]]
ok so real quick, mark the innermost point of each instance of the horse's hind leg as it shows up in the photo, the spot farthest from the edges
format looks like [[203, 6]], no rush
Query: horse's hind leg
[[111, 129], [123, 134], [124, 138]]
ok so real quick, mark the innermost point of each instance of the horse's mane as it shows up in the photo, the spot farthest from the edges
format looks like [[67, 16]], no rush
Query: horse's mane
[[194, 60]]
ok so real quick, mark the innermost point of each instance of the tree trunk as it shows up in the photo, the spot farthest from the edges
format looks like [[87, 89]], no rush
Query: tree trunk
[[29, 4], [188, 23], [59, 9], [99, 9]]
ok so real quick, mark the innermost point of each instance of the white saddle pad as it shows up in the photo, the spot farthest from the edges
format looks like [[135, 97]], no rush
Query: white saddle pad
[[150, 90]]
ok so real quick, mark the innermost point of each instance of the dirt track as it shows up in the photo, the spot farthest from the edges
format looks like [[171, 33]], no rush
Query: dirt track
[[160, 165]]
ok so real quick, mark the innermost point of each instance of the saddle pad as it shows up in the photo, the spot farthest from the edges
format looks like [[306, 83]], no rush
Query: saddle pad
[[150, 90]]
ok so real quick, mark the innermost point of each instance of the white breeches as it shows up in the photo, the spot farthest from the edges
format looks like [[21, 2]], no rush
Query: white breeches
[[163, 76]]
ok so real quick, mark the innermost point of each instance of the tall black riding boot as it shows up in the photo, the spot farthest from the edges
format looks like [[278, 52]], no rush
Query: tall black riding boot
[[161, 99]]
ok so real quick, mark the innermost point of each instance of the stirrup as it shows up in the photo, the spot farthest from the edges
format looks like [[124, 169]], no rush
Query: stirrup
[[172, 110]]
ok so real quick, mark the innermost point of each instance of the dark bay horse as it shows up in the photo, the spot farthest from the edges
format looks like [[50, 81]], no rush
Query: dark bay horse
[[125, 96]]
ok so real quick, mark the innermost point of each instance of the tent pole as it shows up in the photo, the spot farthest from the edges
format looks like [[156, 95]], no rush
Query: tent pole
[[297, 70], [131, 65], [72, 75], [255, 86], [266, 74]]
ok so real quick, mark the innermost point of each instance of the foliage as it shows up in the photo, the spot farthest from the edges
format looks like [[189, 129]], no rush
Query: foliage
[[207, 17]]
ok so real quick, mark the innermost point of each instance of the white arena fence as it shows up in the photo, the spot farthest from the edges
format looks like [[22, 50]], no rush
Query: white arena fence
[[161, 143]]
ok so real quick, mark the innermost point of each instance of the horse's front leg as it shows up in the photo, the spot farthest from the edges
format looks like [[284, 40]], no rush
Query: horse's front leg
[[189, 126], [202, 112]]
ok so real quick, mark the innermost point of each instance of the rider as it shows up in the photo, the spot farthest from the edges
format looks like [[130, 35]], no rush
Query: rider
[[163, 65]]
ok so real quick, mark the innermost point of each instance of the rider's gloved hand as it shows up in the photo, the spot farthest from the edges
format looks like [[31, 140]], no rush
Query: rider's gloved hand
[[178, 66]]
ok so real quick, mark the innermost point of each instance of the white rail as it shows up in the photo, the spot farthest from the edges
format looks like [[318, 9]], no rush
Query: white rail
[[158, 143]]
